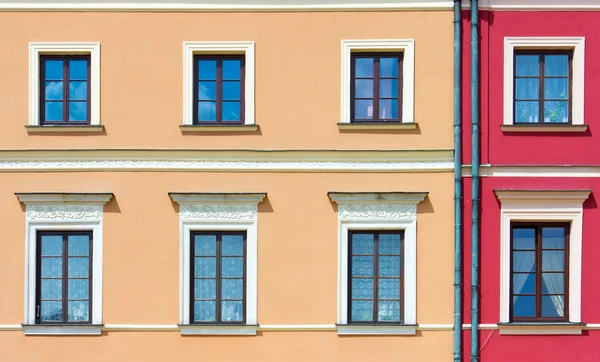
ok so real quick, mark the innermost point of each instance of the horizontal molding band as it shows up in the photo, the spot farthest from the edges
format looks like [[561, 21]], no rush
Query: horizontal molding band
[[534, 171]]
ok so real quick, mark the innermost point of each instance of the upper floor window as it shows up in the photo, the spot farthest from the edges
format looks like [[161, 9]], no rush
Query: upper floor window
[[219, 89]]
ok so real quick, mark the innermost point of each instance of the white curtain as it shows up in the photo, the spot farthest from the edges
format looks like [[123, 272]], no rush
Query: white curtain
[[522, 261], [553, 281]]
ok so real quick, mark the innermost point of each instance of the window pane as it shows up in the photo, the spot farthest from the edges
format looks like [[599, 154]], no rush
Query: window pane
[[556, 88], [54, 90], [53, 111], [523, 261], [524, 306], [389, 243], [388, 311], [51, 267], [52, 245], [54, 70], [556, 65], [553, 306], [205, 311], [364, 68], [231, 91], [389, 289], [553, 260], [523, 283], [362, 310], [232, 267], [553, 238], [78, 311], [528, 65], [79, 289], [205, 267], [388, 67], [233, 245], [363, 109], [388, 109], [363, 88], [553, 283], [523, 238], [527, 112], [78, 267], [207, 111], [231, 111], [77, 111], [231, 69], [362, 266], [363, 243], [50, 311], [207, 91], [207, 69], [556, 112], [527, 88], [79, 245], [51, 289], [77, 90], [362, 288], [388, 88], [389, 266], [232, 289], [78, 69], [232, 311], [205, 245], [205, 289]]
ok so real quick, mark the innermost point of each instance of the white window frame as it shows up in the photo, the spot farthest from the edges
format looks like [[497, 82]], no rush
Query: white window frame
[[36, 49], [378, 211], [576, 44], [218, 212], [542, 206], [68, 212], [191, 48], [406, 46]]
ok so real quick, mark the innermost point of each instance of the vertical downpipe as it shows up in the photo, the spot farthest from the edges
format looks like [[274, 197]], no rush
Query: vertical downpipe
[[457, 186], [475, 181]]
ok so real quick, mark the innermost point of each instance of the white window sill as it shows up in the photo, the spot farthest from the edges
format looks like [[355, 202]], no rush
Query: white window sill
[[62, 329], [213, 329], [376, 126], [65, 128], [357, 329], [541, 328], [219, 128], [544, 127]]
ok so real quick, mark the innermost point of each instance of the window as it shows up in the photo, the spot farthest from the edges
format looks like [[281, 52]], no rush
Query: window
[[219, 89], [542, 86], [376, 281], [219, 279], [539, 289], [64, 266], [376, 87]]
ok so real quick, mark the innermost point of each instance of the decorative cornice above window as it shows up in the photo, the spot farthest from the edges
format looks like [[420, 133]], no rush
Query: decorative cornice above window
[[66, 198], [542, 196], [218, 198], [395, 197]]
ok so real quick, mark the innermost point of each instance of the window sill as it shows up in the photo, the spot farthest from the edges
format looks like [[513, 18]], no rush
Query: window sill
[[62, 329], [372, 329], [219, 128], [557, 328], [376, 125], [61, 129], [544, 128], [217, 329]]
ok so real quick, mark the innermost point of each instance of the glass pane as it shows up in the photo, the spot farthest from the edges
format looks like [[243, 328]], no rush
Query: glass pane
[[527, 112], [205, 267], [362, 266], [523, 261], [362, 288], [52, 245], [363, 243], [78, 267], [556, 65], [527, 88], [523, 238], [231, 69], [53, 111], [54, 69], [51, 267], [205, 289], [232, 311], [54, 90], [556, 112], [233, 245], [78, 69], [50, 311], [388, 311], [78, 311], [205, 311], [524, 306], [51, 289], [388, 67], [207, 111], [363, 88], [232, 289], [362, 310], [79, 245], [388, 88], [205, 245], [364, 68], [553, 238], [389, 244], [207, 69], [207, 91], [556, 88], [79, 289], [389, 289], [77, 111], [553, 260], [231, 111], [363, 109], [528, 65], [523, 283], [388, 109], [389, 266], [553, 306], [553, 283], [231, 91], [232, 267]]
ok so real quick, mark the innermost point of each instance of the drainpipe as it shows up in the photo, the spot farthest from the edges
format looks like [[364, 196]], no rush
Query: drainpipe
[[457, 187], [475, 181]]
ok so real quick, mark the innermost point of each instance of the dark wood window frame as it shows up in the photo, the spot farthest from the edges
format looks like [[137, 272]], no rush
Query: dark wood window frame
[[66, 81], [538, 226], [218, 277], [64, 277], [219, 89], [376, 86], [541, 97], [376, 276]]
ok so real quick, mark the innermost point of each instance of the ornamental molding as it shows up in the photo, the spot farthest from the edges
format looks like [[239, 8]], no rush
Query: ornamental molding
[[218, 212], [377, 211], [64, 212]]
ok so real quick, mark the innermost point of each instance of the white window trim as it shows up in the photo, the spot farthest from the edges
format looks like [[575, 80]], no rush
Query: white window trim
[[406, 46], [191, 48], [577, 44], [63, 48], [218, 212], [63, 212], [378, 211], [518, 206]]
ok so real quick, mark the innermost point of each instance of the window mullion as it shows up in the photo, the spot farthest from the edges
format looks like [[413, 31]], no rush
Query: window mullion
[[218, 110], [65, 278], [375, 276], [541, 94], [218, 280], [376, 61], [66, 90], [538, 269]]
